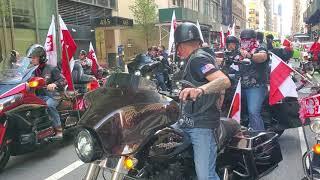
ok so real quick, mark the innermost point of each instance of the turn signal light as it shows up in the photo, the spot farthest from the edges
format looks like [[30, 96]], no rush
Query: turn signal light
[[316, 149], [129, 163], [33, 84]]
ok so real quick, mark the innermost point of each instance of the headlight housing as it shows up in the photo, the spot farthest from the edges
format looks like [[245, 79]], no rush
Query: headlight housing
[[87, 147], [315, 125], [137, 73]]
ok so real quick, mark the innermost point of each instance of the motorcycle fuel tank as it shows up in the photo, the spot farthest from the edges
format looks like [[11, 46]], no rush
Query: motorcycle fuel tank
[[126, 112]]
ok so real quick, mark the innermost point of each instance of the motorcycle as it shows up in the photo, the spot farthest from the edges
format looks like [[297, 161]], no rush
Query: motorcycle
[[277, 118], [144, 66], [24, 120], [137, 132]]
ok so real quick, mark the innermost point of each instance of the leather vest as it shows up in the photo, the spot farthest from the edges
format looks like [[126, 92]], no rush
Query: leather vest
[[204, 112]]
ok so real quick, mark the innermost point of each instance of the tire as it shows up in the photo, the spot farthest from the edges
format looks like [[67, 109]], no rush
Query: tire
[[4, 157]]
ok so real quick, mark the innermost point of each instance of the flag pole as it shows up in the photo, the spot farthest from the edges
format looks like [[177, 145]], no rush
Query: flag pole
[[234, 96]]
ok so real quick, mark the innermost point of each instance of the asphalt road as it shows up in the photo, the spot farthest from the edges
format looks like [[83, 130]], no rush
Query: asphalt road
[[60, 160]]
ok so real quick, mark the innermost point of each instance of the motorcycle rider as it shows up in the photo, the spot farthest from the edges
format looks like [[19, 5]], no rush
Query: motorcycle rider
[[201, 116], [269, 39], [254, 77], [260, 38], [85, 62], [53, 78]]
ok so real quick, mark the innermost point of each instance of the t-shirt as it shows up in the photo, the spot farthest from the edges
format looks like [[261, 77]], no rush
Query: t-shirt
[[255, 74], [202, 67]]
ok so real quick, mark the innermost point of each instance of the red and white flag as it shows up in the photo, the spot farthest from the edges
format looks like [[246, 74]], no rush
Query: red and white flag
[[199, 28], [232, 30], [235, 108], [93, 57], [51, 45], [281, 84], [172, 29], [222, 38], [69, 47]]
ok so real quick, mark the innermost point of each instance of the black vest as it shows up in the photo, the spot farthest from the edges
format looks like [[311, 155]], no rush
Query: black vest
[[202, 113]]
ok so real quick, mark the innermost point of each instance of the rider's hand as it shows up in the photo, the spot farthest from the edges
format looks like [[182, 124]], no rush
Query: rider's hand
[[245, 53], [192, 93], [51, 87]]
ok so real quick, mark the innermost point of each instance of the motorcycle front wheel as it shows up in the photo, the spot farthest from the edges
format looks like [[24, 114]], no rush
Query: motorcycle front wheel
[[4, 157]]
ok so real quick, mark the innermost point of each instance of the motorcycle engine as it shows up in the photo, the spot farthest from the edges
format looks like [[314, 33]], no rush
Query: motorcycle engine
[[167, 143]]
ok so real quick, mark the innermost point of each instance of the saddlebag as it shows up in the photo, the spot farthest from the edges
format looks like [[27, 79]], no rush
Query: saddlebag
[[253, 154]]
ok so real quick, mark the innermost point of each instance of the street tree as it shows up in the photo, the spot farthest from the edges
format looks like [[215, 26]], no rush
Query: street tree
[[145, 15], [4, 12]]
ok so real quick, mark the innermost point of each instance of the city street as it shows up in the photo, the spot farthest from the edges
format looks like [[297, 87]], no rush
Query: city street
[[59, 161]]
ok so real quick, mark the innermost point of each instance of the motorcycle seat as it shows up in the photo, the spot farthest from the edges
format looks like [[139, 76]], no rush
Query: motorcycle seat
[[227, 129]]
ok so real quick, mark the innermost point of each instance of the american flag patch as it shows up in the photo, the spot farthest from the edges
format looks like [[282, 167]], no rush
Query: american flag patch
[[206, 68]]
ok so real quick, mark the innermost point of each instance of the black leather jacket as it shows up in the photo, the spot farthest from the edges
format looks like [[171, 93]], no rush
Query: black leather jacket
[[51, 75]]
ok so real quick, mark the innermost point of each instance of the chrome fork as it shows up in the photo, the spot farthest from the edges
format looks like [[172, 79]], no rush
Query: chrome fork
[[92, 171]]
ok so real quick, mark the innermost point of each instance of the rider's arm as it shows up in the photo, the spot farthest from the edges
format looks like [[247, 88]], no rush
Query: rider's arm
[[58, 78], [260, 57], [203, 69]]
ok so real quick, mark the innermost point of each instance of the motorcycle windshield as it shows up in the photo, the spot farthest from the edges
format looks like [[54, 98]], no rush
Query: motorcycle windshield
[[16, 73], [126, 112]]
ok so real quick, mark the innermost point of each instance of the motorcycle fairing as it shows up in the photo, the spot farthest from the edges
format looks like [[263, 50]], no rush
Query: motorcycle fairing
[[124, 117]]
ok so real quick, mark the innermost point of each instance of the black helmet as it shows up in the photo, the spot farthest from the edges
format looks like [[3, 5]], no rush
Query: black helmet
[[270, 36], [186, 32], [248, 34], [260, 36], [232, 39], [38, 51], [83, 52]]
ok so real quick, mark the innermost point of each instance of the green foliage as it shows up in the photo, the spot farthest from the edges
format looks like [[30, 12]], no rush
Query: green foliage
[[145, 15]]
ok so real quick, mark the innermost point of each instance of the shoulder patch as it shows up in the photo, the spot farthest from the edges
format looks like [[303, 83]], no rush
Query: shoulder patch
[[206, 68]]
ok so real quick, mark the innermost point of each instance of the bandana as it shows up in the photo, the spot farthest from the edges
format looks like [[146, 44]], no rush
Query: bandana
[[249, 45], [39, 69]]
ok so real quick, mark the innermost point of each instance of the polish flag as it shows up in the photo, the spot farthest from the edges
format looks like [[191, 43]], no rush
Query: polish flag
[[69, 47], [51, 45], [233, 30], [235, 108], [281, 84], [93, 57], [199, 28], [222, 38], [172, 29]]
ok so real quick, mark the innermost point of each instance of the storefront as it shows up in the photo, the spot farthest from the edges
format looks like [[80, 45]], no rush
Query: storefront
[[111, 33]]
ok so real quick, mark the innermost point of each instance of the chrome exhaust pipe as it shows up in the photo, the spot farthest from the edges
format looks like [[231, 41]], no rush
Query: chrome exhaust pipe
[[92, 172]]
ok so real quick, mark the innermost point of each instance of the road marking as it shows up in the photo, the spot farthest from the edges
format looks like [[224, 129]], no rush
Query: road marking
[[303, 144], [66, 170]]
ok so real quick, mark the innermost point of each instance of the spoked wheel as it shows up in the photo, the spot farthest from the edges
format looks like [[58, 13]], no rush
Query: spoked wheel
[[4, 156]]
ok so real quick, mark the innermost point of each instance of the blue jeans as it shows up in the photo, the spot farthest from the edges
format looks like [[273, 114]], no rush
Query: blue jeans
[[161, 81], [204, 152], [255, 97], [52, 110]]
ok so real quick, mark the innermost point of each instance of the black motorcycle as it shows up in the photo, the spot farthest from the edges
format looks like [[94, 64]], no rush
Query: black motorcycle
[[131, 122], [277, 118]]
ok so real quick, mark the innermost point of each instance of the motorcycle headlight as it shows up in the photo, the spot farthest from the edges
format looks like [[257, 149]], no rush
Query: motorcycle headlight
[[315, 125], [137, 73], [148, 77], [87, 147]]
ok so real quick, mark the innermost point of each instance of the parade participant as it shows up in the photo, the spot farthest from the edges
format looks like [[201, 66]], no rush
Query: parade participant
[[85, 62], [54, 80], [260, 38], [254, 77], [269, 39], [14, 59], [201, 117]]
